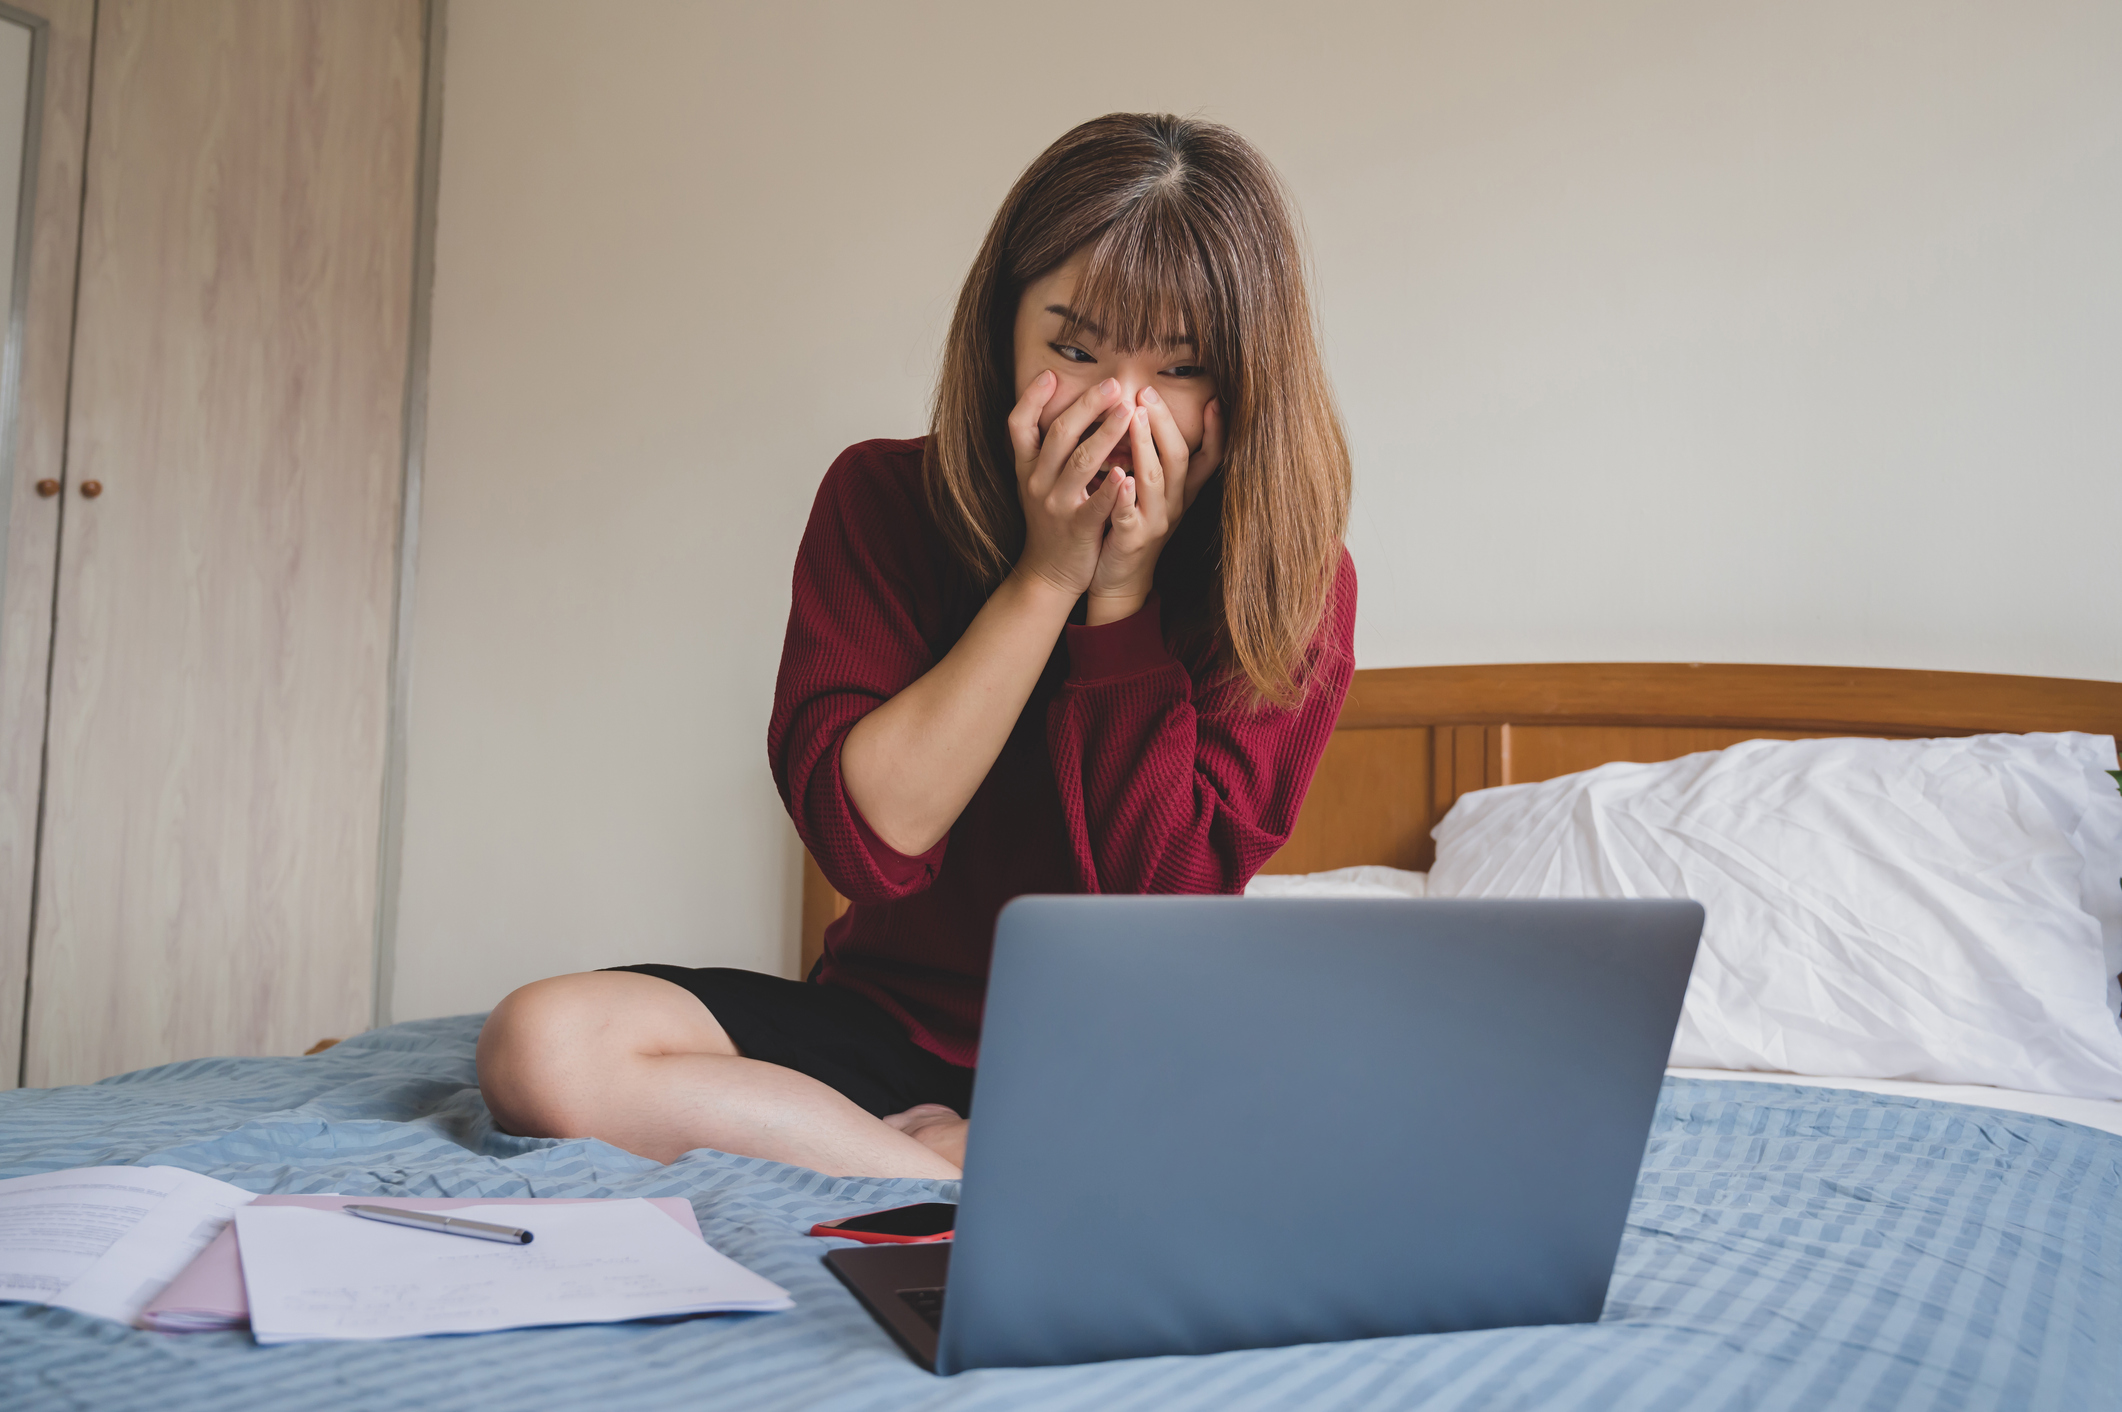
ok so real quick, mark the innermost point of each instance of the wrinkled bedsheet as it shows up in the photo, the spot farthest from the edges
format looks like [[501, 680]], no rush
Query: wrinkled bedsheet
[[1789, 1247]]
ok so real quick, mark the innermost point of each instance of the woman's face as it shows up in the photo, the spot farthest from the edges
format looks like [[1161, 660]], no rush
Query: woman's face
[[1082, 360]]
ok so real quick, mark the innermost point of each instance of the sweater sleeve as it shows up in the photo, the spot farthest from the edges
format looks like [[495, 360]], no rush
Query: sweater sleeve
[[1164, 793], [853, 643]]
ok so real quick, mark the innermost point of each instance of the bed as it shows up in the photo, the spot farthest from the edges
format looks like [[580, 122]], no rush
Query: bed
[[1792, 1244]]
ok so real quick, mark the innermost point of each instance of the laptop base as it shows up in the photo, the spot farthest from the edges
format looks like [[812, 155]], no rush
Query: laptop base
[[902, 1288]]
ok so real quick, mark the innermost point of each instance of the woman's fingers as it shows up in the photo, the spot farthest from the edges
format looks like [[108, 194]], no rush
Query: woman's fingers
[[1089, 458], [1126, 509], [1100, 510], [1024, 421], [1149, 458], [1172, 453], [1210, 455], [1059, 444], [1154, 477]]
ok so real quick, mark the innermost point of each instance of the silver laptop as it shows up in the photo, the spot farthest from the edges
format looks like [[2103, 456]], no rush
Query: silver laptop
[[1210, 1123]]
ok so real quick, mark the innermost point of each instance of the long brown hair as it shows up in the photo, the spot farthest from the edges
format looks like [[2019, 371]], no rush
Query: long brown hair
[[1187, 228]]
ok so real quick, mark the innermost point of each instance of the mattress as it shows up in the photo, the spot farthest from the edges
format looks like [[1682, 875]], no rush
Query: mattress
[[1790, 1247]]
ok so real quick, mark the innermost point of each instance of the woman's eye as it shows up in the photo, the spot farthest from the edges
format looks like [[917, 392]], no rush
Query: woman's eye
[[1072, 353], [1186, 370]]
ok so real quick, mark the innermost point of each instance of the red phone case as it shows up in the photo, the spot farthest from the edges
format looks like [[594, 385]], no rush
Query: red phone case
[[874, 1237]]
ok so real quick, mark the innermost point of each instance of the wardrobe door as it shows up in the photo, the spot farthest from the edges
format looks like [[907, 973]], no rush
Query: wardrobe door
[[41, 215], [208, 873]]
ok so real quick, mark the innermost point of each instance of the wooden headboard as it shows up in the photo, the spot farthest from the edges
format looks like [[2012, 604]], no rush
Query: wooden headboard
[[1411, 740]]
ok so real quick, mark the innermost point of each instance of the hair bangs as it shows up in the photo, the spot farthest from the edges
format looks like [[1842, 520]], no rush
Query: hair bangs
[[1146, 285]]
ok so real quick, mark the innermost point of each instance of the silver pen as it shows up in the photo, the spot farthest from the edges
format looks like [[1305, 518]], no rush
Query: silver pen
[[436, 1221]]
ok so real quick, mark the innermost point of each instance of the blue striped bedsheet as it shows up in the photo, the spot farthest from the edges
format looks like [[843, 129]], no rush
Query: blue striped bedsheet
[[1789, 1247]]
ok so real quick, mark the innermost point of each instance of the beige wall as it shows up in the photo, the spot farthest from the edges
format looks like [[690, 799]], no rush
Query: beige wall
[[1770, 331]]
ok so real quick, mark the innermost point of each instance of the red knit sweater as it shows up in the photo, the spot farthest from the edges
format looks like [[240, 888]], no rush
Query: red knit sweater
[[1118, 776]]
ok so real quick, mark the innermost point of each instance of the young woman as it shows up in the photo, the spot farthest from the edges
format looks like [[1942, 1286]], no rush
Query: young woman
[[1088, 635]]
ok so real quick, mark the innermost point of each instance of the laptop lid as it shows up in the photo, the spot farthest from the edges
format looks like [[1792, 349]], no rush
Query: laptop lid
[[1209, 1123]]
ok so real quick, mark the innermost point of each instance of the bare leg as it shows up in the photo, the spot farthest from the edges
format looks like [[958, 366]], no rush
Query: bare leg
[[642, 1064], [936, 1127]]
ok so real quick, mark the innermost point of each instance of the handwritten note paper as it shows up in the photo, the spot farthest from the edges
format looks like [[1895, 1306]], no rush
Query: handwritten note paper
[[327, 1275]]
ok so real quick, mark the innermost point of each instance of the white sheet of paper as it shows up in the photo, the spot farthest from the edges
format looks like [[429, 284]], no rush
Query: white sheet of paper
[[140, 1263], [314, 1274], [55, 1225], [105, 1240]]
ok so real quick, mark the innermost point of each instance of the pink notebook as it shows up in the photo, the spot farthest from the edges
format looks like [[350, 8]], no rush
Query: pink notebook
[[209, 1297]]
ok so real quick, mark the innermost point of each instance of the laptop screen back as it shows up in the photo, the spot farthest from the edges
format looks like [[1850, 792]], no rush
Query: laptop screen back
[[1217, 1123]]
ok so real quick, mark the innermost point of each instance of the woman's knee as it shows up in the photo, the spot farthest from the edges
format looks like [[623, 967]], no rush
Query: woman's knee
[[534, 1051], [550, 1048]]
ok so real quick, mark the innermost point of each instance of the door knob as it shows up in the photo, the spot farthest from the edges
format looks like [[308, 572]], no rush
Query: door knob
[[90, 489], [47, 488]]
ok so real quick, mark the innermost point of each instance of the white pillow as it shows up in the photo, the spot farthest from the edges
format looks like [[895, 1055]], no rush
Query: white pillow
[[1944, 910], [1364, 880]]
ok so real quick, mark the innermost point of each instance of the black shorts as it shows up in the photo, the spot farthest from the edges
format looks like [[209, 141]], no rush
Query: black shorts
[[840, 1038]]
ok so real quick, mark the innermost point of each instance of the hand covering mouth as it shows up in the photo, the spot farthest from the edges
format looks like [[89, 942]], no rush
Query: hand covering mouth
[[1121, 454]]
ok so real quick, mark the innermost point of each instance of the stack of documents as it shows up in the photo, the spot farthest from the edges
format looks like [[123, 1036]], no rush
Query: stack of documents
[[105, 1240], [157, 1246], [323, 1274]]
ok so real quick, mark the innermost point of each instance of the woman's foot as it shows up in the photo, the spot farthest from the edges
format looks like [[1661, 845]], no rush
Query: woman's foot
[[935, 1127]]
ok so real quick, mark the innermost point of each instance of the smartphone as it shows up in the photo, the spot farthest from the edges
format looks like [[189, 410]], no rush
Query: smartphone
[[895, 1225]]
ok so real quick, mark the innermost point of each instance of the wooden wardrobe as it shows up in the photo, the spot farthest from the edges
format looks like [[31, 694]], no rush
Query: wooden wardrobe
[[208, 454]]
